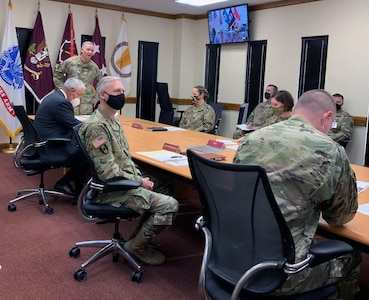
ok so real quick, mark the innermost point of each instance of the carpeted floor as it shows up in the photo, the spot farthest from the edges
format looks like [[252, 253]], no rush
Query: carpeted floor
[[36, 265]]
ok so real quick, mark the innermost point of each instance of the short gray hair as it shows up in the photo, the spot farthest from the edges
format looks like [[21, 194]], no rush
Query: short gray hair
[[74, 83], [87, 43], [104, 81]]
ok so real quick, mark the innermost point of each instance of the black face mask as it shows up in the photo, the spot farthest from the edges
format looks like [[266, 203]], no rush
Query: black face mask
[[267, 95], [116, 101], [338, 107]]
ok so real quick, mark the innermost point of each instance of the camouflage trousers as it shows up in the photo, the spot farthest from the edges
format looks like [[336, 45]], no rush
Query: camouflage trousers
[[342, 271]]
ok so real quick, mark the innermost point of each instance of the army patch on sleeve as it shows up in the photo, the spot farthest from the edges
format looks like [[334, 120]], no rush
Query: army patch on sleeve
[[98, 142]]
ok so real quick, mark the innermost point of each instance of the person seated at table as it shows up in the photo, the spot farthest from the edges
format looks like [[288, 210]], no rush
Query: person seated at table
[[310, 176], [105, 142], [55, 119], [200, 116], [262, 112], [343, 124], [282, 104]]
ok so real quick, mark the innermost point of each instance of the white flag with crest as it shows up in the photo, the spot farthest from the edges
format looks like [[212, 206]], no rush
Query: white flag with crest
[[120, 61], [11, 78]]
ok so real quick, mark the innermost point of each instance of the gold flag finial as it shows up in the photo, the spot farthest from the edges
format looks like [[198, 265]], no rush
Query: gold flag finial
[[96, 12], [38, 5], [69, 8]]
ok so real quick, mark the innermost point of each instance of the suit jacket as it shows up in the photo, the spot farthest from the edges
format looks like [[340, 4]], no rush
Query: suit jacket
[[55, 119]]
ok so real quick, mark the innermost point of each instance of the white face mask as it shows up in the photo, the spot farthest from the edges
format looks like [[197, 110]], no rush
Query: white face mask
[[75, 102]]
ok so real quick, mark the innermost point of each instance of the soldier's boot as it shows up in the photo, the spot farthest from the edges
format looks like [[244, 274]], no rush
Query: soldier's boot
[[138, 246]]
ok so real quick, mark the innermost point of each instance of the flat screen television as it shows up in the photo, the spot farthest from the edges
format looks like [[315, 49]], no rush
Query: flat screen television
[[229, 25]]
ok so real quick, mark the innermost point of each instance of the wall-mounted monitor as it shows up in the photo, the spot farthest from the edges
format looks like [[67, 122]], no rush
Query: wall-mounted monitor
[[229, 25]]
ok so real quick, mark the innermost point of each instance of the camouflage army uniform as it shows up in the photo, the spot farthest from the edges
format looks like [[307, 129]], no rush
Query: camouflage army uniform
[[106, 143], [88, 72], [262, 112], [200, 118], [309, 174], [342, 126]]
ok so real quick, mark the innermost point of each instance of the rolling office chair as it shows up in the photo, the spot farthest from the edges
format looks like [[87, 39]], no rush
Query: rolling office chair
[[249, 249], [242, 115], [166, 115], [102, 214], [26, 158], [218, 108]]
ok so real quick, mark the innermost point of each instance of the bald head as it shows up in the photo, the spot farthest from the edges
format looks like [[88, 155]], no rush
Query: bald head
[[318, 107]]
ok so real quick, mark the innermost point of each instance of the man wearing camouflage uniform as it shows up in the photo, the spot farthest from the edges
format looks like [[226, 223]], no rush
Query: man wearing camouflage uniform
[[261, 113], [310, 175], [343, 124], [83, 68], [200, 116], [106, 144]]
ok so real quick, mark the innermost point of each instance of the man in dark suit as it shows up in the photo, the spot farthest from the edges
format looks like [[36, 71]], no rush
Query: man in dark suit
[[55, 119]]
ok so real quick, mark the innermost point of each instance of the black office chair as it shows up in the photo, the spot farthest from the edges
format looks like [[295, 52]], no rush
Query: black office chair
[[218, 108], [166, 115], [344, 142], [249, 250], [26, 158], [242, 115], [102, 214]]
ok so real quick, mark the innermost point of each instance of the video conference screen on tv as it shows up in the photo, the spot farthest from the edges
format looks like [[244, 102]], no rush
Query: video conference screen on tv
[[229, 25]]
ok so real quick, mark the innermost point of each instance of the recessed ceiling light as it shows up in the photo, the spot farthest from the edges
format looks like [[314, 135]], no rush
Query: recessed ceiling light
[[199, 2]]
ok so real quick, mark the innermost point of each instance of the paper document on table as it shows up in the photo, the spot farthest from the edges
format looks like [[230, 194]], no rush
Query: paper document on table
[[361, 186], [364, 209], [82, 118], [174, 128], [168, 157], [244, 127], [230, 144]]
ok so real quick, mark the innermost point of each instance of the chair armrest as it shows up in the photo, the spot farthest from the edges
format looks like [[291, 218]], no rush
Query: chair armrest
[[121, 185], [59, 140], [327, 250]]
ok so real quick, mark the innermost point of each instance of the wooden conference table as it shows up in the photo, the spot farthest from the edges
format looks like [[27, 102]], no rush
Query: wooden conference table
[[355, 232]]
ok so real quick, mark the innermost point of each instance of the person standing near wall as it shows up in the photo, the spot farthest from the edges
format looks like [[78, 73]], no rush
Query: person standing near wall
[[83, 68]]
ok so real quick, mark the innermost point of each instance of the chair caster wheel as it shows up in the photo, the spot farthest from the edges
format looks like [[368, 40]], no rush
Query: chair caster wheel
[[74, 252], [49, 210], [137, 276], [80, 275], [12, 207]]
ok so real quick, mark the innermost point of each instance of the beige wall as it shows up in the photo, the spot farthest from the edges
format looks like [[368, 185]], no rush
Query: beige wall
[[182, 49]]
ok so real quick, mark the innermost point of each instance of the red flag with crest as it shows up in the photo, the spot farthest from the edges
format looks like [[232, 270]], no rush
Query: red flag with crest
[[38, 74], [68, 47], [99, 51]]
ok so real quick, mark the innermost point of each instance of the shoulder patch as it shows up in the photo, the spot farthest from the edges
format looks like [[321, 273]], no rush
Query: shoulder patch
[[98, 142]]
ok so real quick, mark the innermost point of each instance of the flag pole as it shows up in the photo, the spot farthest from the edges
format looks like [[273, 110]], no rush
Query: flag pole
[[10, 149]]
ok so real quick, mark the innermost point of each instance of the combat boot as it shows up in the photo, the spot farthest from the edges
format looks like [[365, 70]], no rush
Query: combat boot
[[139, 248]]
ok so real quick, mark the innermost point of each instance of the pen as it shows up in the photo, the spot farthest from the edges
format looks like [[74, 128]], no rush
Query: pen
[[176, 156]]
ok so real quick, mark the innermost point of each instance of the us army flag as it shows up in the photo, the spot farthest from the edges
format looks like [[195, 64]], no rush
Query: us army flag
[[68, 47], [99, 50], [120, 61], [11, 78], [38, 74]]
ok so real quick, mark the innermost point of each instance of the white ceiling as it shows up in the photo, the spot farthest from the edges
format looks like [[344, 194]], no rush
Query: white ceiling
[[174, 8]]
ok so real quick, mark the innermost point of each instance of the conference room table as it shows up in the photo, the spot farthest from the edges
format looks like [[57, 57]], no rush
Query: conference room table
[[356, 232]]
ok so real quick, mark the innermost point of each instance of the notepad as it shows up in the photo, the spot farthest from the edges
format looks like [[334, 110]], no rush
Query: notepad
[[156, 129]]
